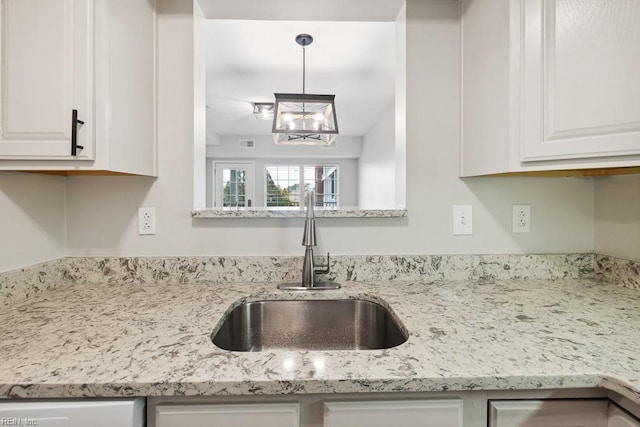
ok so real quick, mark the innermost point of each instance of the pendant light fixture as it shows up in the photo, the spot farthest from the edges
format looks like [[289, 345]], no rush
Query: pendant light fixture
[[301, 118], [263, 110]]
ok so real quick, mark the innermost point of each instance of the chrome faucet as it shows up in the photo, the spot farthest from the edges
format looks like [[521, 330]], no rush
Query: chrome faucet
[[309, 269]]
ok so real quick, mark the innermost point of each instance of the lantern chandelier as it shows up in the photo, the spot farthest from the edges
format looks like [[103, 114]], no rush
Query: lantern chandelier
[[301, 118]]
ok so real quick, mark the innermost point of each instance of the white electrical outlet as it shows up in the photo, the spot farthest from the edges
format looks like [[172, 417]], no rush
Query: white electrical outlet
[[521, 220], [146, 221], [462, 220]]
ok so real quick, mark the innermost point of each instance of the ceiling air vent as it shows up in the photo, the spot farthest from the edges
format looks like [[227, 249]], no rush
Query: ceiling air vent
[[246, 143], [334, 144]]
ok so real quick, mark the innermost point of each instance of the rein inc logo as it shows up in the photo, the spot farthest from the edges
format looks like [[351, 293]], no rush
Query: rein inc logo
[[18, 421]]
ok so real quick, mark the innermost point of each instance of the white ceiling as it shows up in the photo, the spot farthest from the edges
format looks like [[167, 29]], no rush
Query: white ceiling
[[251, 54], [248, 60]]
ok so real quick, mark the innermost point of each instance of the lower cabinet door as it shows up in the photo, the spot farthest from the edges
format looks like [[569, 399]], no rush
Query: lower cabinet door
[[232, 415], [619, 418], [548, 413], [404, 413], [80, 413]]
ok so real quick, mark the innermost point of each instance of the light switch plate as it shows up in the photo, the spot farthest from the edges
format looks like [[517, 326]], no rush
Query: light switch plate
[[462, 220]]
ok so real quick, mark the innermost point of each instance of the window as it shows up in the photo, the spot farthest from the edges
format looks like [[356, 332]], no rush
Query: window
[[286, 185]]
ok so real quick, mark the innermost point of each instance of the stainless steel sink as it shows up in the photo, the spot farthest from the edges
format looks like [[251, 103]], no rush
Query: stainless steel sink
[[309, 325]]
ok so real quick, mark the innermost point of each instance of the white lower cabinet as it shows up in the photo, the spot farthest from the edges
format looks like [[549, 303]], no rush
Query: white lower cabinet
[[548, 408], [548, 413], [95, 413], [558, 413], [418, 413], [372, 413], [619, 418], [232, 415]]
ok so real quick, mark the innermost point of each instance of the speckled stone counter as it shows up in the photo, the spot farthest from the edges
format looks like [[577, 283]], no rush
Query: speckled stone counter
[[154, 340], [352, 212], [29, 281]]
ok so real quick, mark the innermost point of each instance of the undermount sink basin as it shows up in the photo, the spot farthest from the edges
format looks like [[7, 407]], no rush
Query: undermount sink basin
[[309, 325]]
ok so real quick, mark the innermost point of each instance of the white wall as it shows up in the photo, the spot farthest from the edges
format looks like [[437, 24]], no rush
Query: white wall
[[228, 147], [102, 210], [347, 177], [617, 216], [199, 110], [265, 151], [32, 222], [376, 166], [401, 107]]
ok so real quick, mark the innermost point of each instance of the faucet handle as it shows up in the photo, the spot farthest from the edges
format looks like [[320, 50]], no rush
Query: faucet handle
[[324, 269]]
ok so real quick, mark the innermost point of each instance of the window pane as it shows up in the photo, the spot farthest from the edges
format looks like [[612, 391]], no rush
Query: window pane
[[330, 186], [324, 181], [234, 188], [283, 185]]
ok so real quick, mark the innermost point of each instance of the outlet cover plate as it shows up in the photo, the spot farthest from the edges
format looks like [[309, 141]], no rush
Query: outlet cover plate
[[146, 221], [521, 219]]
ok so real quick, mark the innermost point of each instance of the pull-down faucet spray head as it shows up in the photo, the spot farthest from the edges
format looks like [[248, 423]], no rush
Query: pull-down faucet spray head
[[309, 236]]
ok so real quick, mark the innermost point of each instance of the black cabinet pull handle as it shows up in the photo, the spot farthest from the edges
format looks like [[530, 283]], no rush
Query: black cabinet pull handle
[[74, 132]]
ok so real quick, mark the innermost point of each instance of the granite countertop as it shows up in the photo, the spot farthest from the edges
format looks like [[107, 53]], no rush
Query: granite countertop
[[154, 340]]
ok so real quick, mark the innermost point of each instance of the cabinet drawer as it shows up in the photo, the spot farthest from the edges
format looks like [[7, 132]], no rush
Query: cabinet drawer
[[548, 413], [75, 413], [236, 415], [407, 413], [619, 418]]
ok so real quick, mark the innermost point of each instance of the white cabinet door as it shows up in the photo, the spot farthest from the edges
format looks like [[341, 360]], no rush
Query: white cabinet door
[[232, 415], [548, 413], [46, 73], [418, 413], [580, 87], [619, 418], [95, 413]]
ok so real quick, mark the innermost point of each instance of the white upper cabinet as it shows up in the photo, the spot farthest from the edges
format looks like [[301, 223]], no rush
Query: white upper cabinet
[[550, 85], [96, 57]]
